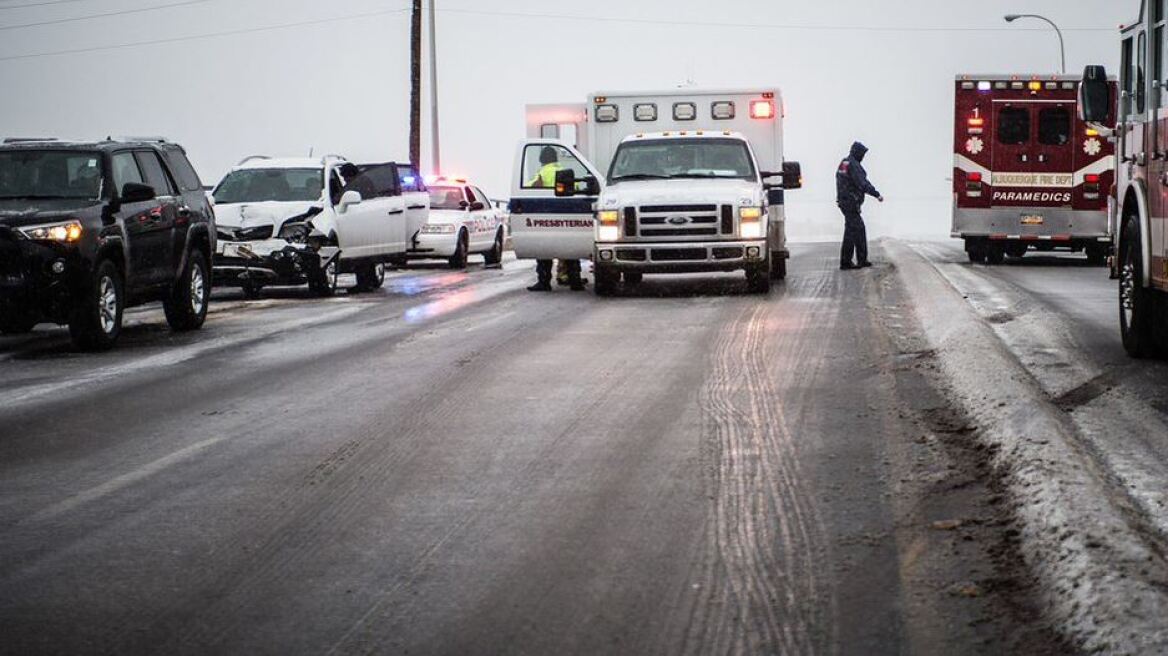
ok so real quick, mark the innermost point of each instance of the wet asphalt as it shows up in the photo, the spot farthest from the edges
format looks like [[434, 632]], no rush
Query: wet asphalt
[[454, 465]]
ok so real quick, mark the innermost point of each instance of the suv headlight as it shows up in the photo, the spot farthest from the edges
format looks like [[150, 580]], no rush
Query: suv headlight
[[67, 232], [294, 233]]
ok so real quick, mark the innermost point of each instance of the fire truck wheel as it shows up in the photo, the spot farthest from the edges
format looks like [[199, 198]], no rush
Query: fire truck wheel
[[995, 255], [606, 280], [1136, 302], [976, 251]]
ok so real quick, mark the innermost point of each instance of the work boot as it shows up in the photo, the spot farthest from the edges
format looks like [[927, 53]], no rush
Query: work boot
[[540, 286], [847, 266], [864, 265]]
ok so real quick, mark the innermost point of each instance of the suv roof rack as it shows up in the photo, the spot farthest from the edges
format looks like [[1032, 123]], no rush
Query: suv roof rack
[[252, 158], [139, 139], [330, 158]]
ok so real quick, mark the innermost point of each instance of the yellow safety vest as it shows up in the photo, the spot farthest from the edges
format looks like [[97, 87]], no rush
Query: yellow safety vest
[[546, 178]]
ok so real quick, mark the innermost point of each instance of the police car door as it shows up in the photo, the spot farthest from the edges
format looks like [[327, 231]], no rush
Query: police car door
[[542, 225]]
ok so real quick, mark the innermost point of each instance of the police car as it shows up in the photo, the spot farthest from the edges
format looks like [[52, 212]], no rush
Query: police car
[[462, 221]]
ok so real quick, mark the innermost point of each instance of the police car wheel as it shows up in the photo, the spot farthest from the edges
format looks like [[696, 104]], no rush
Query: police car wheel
[[495, 255], [458, 260]]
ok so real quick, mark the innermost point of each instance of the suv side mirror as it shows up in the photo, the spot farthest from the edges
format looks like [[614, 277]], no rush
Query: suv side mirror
[[349, 199], [1095, 99], [133, 192], [792, 175], [567, 184]]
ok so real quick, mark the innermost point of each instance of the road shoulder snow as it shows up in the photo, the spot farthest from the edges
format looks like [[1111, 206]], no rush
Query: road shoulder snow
[[1104, 581]]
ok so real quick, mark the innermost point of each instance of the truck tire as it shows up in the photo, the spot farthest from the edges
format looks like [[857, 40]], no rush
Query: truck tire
[[96, 324], [458, 260], [494, 256], [1017, 250], [1137, 304], [370, 277], [606, 280], [633, 277], [995, 254], [778, 267], [186, 307], [323, 282], [758, 280], [976, 251]]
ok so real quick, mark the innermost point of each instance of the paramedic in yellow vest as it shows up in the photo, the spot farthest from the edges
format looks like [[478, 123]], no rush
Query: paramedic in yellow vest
[[546, 179]]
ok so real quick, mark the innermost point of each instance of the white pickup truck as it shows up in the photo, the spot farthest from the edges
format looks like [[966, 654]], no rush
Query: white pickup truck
[[300, 220], [647, 183]]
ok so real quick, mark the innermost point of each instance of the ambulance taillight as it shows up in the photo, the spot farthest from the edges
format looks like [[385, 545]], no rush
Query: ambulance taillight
[[973, 184], [1091, 186]]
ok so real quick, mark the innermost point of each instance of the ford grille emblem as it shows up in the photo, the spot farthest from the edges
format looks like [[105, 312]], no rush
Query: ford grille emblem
[[678, 220]]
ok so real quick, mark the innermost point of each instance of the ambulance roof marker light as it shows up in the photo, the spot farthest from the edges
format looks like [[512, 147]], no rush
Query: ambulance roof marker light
[[762, 109], [984, 86]]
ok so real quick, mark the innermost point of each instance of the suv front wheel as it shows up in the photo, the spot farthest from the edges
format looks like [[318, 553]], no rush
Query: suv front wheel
[[97, 321], [186, 307]]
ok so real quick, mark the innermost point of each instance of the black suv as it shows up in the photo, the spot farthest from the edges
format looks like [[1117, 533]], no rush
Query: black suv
[[89, 229]]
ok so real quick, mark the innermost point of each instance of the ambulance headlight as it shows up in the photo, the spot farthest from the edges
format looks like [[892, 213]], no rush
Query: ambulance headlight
[[608, 233], [750, 213], [608, 217], [752, 230]]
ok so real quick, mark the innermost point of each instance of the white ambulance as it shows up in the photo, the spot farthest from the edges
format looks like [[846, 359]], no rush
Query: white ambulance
[[647, 183]]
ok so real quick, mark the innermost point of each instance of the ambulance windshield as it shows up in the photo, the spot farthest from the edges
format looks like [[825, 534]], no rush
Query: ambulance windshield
[[666, 159]]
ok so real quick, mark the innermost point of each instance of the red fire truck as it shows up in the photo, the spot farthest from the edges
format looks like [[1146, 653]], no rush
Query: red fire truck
[[1027, 172], [1141, 191]]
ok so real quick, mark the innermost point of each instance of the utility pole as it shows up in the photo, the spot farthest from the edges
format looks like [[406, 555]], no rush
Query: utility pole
[[416, 85], [435, 150]]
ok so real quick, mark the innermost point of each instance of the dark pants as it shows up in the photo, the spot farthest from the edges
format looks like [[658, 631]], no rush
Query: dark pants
[[855, 238], [543, 269]]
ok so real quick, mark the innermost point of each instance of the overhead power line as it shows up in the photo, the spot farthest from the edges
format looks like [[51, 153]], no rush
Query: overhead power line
[[771, 26], [211, 35], [123, 12], [41, 4]]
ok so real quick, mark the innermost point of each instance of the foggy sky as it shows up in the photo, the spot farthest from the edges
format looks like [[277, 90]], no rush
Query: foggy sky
[[342, 87]]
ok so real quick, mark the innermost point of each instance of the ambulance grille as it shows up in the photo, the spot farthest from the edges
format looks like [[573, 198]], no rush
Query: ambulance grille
[[727, 219], [677, 221], [631, 221]]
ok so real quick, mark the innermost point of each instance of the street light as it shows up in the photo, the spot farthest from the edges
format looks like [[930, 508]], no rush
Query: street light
[[1062, 45]]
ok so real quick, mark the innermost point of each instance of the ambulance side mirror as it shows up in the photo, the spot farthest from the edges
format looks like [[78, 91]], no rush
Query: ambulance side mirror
[[567, 184], [792, 175], [1095, 101]]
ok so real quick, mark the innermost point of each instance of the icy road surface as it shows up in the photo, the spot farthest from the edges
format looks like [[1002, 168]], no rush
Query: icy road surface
[[454, 465]]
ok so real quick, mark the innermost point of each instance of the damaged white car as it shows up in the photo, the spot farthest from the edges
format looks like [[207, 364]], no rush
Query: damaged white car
[[300, 220]]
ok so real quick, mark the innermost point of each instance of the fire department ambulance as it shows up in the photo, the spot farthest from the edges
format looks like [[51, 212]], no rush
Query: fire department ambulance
[[1140, 202], [1027, 173], [664, 182]]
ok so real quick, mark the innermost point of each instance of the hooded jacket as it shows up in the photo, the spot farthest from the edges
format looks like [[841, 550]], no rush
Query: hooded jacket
[[851, 180]]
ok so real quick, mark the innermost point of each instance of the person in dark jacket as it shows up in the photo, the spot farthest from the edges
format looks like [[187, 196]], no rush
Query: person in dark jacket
[[852, 185]]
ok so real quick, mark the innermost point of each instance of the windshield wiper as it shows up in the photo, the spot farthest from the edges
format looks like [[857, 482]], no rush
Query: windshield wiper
[[641, 176], [681, 176]]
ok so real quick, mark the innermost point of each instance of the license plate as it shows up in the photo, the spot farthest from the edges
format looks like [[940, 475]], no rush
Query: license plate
[[1032, 219], [236, 250]]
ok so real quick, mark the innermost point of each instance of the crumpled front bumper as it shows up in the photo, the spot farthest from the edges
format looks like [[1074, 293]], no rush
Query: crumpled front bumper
[[268, 262]]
